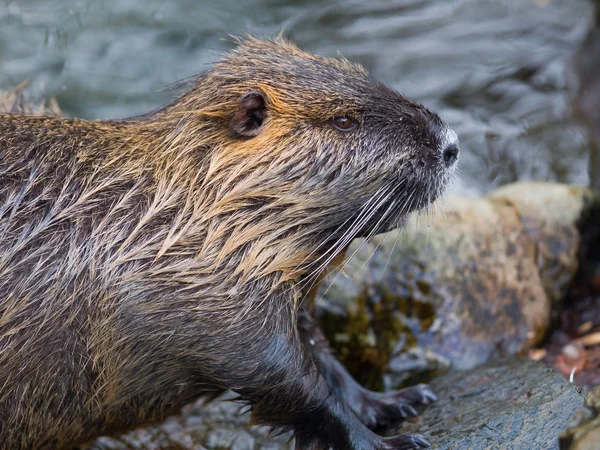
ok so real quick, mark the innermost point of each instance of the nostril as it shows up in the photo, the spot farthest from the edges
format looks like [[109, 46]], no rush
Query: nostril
[[450, 154]]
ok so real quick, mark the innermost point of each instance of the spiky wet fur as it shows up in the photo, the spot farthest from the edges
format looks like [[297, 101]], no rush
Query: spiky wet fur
[[145, 261]]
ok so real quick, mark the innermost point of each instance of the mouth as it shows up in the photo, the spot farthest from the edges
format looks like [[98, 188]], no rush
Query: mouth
[[394, 211]]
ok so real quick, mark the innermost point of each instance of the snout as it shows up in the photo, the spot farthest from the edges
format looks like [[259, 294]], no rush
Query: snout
[[450, 154], [449, 147]]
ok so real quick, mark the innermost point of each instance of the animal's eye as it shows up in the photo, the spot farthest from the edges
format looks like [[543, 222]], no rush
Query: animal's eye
[[343, 123]]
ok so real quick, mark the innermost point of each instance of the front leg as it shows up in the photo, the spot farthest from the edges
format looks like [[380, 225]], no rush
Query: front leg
[[288, 391], [374, 409], [268, 365]]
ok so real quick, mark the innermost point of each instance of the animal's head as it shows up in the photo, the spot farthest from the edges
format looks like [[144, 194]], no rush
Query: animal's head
[[313, 146]]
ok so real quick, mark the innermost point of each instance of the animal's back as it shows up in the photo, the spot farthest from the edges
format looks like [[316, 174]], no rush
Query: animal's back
[[59, 227]]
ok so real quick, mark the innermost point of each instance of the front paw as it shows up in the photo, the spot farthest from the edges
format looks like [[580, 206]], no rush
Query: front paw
[[376, 409], [421, 394], [404, 442]]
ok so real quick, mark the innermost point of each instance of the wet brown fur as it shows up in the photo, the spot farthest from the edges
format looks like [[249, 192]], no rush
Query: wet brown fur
[[145, 261]]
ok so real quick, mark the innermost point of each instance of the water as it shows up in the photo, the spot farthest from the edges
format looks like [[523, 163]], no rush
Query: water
[[498, 71]]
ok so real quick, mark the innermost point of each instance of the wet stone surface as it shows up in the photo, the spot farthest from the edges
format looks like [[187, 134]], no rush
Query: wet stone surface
[[505, 405]]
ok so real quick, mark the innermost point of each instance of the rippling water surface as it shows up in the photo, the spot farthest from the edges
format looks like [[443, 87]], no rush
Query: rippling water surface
[[498, 71]]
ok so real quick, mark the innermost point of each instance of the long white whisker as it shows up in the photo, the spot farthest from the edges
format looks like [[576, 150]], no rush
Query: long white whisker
[[409, 203], [363, 210], [343, 242], [371, 233]]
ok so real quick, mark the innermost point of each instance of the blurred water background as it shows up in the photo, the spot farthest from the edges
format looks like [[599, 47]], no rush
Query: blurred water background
[[499, 71]]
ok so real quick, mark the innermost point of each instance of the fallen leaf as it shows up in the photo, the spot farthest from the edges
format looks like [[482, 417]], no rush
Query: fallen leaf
[[585, 327], [590, 340], [537, 354]]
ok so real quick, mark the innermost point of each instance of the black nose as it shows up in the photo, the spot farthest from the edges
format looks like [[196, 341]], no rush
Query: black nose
[[450, 154]]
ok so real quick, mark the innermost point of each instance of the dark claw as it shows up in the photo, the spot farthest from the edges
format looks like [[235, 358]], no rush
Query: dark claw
[[407, 410], [421, 393], [406, 442], [377, 409], [421, 441], [429, 396]]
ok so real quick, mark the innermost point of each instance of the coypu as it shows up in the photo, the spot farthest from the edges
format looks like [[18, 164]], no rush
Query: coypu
[[147, 261]]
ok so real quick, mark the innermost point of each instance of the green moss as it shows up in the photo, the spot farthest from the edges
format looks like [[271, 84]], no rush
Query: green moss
[[380, 321]]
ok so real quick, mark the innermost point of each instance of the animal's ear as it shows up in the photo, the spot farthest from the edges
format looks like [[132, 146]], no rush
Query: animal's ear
[[250, 115]]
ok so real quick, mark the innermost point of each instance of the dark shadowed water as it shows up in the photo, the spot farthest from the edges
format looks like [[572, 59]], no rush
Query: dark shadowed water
[[497, 70]]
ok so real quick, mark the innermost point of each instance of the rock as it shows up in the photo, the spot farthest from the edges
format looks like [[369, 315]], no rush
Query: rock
[[584, 431], [218, 425], [480, 282], [513, 404], [553, 216]]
